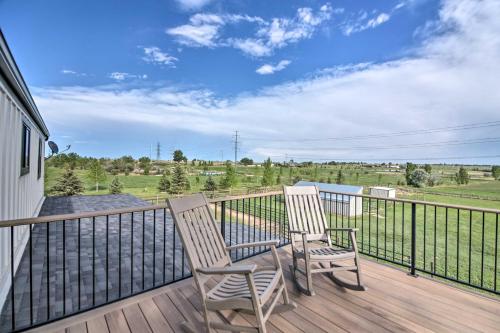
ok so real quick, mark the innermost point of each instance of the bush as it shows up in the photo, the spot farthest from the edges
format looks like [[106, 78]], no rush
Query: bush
[[164, 183], [210, 185], [116, 186], [418, 178], [68, 184]]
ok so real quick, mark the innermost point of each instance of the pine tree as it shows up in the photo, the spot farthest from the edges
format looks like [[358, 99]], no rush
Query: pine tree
[[180, 182], [164, 183], [462, 177], [96, 174], [210, 185], [267, 177], [116, 186], [340, 177], [68, 184], [229, 180]]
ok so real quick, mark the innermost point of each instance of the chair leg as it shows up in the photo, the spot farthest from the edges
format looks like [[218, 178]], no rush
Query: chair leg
[[309, 278], [306, 289], [358, 274]]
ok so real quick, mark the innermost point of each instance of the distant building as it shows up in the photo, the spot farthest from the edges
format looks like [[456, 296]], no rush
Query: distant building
[[22, 149], [212, 173], [339, 199], [383, 192]]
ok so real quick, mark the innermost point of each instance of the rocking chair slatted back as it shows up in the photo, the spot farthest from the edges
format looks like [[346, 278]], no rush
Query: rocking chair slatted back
[[198, 230], [305, 213]]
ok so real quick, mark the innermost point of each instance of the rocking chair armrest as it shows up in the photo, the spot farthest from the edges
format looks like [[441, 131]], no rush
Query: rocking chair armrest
[[272, 242], [234, 269], [342, 229]]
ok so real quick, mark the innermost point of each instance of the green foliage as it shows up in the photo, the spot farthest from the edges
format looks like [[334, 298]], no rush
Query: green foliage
[[246, 161], [229, 180], [340, 177], [180, 182], [462, 176], [68, 184], [410, 167], [96, 174], [267, 177], [164, 183], [495, 171], [418, 178], [145, 164], [116, 186], [179, 157], [428, 168], [210, 185], [278, 180]]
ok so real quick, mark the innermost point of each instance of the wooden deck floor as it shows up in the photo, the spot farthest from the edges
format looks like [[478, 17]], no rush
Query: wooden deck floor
[[394, 302]]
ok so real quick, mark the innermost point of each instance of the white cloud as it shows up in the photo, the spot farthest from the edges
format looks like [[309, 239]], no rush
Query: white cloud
[[204, 29], [192, 4], [452, 79], [154, 55], [253, 47], [362, 23], [121, 76], [270, 69], [72, 72]]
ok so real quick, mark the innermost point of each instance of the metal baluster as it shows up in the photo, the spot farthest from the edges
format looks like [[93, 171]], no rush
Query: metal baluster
[[31, 274], [154, 247], [458, 242], [93, 261], [435, 238], [79, 265], [496, 255], [482, 252], [425, 237], [132, 253], [369, 225], [470, 243], [107, 258], [143, 243], [403, 234], [48, 271], [64, 266], [385, 229], [377, 228], [173, 254], [164, 242], [237, 226], [12, 280], [446, 243], [119, 255]]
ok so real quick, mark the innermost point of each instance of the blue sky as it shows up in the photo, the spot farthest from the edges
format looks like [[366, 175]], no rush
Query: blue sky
[[114, 77]]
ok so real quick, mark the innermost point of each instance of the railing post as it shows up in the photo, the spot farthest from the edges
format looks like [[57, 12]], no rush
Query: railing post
[[413, 238], [223, 219]]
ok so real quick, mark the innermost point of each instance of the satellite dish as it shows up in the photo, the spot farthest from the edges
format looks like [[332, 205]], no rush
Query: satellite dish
[[53, 147]]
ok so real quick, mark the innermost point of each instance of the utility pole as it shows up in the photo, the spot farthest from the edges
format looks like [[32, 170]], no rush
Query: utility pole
[[158, 151], [236, 147]]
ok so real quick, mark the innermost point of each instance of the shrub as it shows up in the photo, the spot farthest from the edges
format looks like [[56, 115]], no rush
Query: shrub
[[418, 178], [116, 186]]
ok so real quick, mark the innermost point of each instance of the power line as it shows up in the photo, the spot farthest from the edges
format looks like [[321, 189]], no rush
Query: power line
[[387, 135], [394, 159], [415, 145]]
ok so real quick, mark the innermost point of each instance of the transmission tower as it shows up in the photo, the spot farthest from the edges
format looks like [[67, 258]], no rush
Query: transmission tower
[[158, 151], [236, 147]]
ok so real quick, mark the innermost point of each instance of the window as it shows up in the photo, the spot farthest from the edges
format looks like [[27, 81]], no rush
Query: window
[[40, 157], [25, 149]]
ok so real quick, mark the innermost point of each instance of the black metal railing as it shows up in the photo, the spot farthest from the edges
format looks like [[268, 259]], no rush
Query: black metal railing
[[456, 243], [74, 263]]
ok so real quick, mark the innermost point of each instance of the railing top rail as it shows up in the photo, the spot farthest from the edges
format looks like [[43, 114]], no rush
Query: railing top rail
[[75, 216], [245, 196], [418, 202]]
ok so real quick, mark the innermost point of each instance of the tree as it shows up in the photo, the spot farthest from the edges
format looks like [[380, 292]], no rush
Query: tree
[[116, 186], [340, 177], [68, 184], [179, 157], [418, 178], [180, 182], [267, 177], [210, 185], [278, 180], [428, 168], [164, 183], [96, 174], [495, 171], [246, 161], [462, 176], [229, 180], [410, 167], [145, 164]]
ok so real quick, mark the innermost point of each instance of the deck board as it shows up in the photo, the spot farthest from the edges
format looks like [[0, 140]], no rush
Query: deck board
[[394, 302]]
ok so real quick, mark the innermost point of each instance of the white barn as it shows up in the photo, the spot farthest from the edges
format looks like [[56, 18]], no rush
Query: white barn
[[383, 192], [22, 149], [346, 204]]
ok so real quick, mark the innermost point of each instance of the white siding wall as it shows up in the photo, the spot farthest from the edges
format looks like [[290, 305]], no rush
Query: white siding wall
[[20, 196]]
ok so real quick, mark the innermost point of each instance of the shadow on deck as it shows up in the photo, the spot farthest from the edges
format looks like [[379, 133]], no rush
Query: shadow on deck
[[394, 302]]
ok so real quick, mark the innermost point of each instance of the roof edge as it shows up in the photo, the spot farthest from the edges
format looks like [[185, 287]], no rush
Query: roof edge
[[9, 69]]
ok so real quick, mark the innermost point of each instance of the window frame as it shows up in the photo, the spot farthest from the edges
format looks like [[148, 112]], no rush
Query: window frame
[[40, 158], [25, 148]]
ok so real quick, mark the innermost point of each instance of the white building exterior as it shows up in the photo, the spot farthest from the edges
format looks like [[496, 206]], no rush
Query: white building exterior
[[383, 192], [22, 149], [346, 204]]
